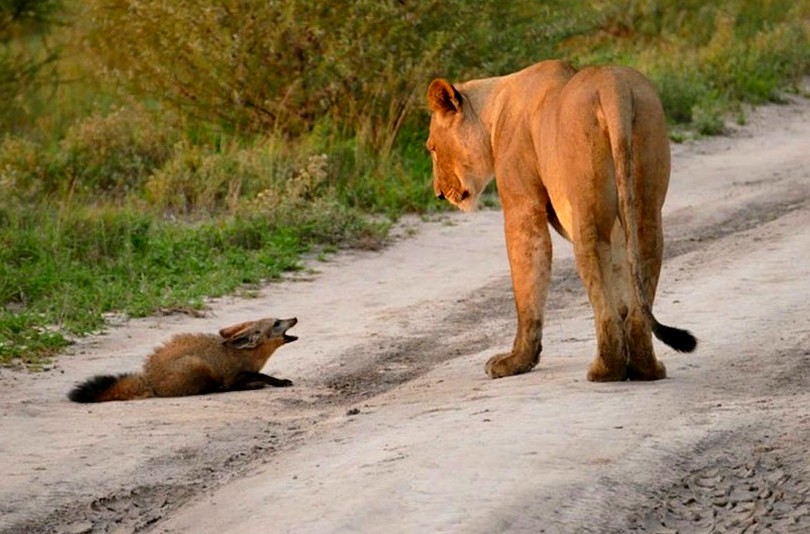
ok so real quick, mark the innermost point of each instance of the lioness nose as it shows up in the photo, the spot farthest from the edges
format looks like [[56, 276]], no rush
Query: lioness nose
[[440, 195]]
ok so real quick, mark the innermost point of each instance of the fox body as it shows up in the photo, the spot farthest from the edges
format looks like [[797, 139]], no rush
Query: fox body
[[195, 364]]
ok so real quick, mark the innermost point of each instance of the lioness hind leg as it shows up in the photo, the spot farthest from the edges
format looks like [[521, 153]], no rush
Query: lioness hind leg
[[642, 363], [595, 268], [610, 363]]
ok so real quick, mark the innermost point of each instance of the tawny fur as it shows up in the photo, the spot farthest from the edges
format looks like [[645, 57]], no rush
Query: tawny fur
[[194, 364], [586, 152]]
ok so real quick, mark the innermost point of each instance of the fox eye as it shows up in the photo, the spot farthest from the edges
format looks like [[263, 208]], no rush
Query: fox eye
[[277, 323]]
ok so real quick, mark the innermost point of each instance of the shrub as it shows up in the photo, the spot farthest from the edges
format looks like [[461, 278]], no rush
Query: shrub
[[201, 179], [22, 169], [25, 63], [112, 153], [283, 66], [103, 155], [705, 57], [195, 180]]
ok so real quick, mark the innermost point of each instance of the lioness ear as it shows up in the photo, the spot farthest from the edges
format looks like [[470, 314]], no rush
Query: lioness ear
[[443, 97]]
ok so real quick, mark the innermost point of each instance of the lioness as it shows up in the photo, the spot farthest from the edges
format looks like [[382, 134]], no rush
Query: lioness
[[586, 152]]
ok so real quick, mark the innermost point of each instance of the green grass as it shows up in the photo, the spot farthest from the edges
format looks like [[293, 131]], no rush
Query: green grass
[[707, 59], [196, 159], [71, 269]]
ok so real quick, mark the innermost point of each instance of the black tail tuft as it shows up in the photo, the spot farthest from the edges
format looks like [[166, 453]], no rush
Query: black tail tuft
[[680, 340], [92, 388]]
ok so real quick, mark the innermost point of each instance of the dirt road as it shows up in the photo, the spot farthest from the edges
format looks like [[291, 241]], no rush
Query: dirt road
[[393, 426]]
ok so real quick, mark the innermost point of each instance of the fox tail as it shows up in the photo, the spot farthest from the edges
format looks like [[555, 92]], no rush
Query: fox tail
[[103, 388]]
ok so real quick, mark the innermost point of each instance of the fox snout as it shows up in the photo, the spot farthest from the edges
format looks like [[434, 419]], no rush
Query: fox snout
[[282, 325]]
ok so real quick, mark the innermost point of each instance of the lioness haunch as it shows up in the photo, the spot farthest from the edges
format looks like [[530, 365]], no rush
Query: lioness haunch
[[586, 152]]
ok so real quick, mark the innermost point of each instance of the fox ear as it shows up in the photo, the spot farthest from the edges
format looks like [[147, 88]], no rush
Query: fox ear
[[443, 98], [229, 331], [247, 338], [242, 336]]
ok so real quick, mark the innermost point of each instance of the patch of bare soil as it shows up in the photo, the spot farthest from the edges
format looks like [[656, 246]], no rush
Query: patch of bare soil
[[765, 487], [393, 424]]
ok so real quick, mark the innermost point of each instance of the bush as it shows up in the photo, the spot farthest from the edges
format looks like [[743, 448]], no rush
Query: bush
[[112, 153], [22, 169], [103, 155], [753, 69], [195, 180], [25, 61], [705, 58], [284, 66], [204, 180]]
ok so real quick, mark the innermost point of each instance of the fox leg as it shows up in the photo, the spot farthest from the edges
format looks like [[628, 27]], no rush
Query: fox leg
[[249, 380]]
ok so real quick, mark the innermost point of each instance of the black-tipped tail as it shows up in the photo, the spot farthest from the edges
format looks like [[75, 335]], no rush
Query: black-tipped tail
[[678, 339], [93, 388]]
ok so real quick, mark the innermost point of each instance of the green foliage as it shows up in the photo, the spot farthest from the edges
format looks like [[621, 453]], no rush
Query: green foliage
[[22, 170], [284, 66], [112, 153], [72, 266], [25, 337], [103, 154], [25, 59], [199, 178], [706, 58]]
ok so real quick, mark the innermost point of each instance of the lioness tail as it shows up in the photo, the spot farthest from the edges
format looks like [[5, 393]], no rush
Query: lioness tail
[[677, 338], [620, 133]]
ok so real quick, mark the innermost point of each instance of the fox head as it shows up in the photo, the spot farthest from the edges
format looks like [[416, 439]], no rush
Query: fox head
[[261, 338]]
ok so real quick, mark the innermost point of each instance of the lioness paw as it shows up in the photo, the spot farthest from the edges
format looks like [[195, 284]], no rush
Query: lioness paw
[[599, 372], [655, 372], [508, 364]]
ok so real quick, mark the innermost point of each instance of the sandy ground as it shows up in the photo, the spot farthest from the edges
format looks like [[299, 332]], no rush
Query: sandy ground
[[393, 426]]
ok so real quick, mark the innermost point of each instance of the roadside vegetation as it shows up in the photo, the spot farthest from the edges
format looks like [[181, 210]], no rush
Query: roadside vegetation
[[154, 155]]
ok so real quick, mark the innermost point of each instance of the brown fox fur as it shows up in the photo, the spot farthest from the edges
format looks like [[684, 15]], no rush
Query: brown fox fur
[[194, 364]]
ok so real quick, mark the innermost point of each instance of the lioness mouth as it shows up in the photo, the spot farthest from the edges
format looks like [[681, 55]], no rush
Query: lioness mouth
[[461, 198]]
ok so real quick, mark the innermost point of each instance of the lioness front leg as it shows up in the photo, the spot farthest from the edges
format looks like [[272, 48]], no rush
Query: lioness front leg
[[528, 245]]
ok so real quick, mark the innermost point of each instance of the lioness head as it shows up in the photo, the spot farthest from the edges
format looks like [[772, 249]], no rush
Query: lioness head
[[459, 146]]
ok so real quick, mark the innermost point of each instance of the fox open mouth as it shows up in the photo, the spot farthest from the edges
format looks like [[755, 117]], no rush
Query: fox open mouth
[[289, 338], [287, 324]]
